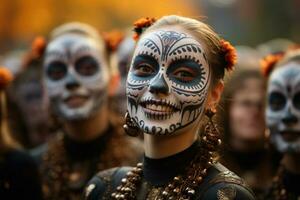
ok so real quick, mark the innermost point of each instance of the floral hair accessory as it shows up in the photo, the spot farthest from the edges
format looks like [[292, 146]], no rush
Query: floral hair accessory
[[38, 46], [140, 25], [113, 39], [268, 63], [230, 55], [5, 77]]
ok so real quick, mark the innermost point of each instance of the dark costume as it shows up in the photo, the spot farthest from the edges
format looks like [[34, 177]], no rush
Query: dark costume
[[219, 182], [19, 176], [67, 165], [257, 168], [285, 186]]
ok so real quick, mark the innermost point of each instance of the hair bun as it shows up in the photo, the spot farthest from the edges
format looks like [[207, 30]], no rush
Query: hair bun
[[5, 77], [268, 63], [141, 24], [230, 55]]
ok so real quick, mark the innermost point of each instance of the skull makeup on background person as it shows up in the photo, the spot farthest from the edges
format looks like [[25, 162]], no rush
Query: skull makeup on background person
[[76, 75], [283, 110], [168, 81]]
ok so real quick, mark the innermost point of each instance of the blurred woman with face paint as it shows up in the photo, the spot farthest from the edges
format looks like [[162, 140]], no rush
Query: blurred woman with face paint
[[78, 82], [18, 172], [246, 149], [174, 80], [283, 120]]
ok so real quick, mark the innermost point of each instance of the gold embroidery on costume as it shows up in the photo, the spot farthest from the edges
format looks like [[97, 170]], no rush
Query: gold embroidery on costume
[[65, 179], [226, 193]]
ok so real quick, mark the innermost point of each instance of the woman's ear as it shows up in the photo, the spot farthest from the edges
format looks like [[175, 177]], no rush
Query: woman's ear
[[215, 95]]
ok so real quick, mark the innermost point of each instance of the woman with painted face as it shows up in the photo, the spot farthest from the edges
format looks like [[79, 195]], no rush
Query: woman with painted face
[[175, 79], [19, 177], [283, 120], [246, 145], [78, 83]]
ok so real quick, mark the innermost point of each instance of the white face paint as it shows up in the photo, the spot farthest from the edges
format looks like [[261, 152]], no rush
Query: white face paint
[[76, 76], [168, 82], [283, 110]]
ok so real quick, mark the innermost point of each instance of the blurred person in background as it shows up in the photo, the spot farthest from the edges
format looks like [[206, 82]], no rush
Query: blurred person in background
[[122, 47], [18, 172], [274, 46], [283, 120], [30, 117], [13, 60], [246, 149], [78, 83]]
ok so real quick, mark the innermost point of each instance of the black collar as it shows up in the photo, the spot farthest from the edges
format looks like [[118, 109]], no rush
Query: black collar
[[291, 182], [159, 172]]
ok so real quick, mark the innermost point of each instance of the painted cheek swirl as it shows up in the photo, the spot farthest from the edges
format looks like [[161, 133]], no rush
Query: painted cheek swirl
[[175, 65]]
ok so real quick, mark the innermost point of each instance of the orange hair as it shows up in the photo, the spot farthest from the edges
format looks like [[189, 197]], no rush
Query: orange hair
[[5, 77], [140, 25], [268, 63], [230, 55]]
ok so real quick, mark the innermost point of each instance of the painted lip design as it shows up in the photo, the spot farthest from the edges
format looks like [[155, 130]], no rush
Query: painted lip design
[[158, 109]]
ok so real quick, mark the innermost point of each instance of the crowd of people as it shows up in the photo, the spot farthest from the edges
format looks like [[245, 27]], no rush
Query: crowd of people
[[169, 110]]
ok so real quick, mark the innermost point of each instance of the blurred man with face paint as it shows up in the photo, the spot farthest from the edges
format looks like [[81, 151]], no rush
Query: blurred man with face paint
[[78, 81], [283, 120]]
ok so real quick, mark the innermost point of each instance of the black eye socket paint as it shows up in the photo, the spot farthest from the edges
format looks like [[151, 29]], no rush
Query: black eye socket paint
[[277, 101], [56, 70], [87, 66]]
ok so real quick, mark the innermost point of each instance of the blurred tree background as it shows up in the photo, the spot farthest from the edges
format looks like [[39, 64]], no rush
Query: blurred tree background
[[248, 22], [22, 20]]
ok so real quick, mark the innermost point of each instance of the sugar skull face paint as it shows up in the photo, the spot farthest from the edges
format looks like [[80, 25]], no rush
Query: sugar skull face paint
[[76, 76], [283, 110], [168, 82]]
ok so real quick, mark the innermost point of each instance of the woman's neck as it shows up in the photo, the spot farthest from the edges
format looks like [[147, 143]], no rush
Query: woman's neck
[[164, 146], [88, 129]]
